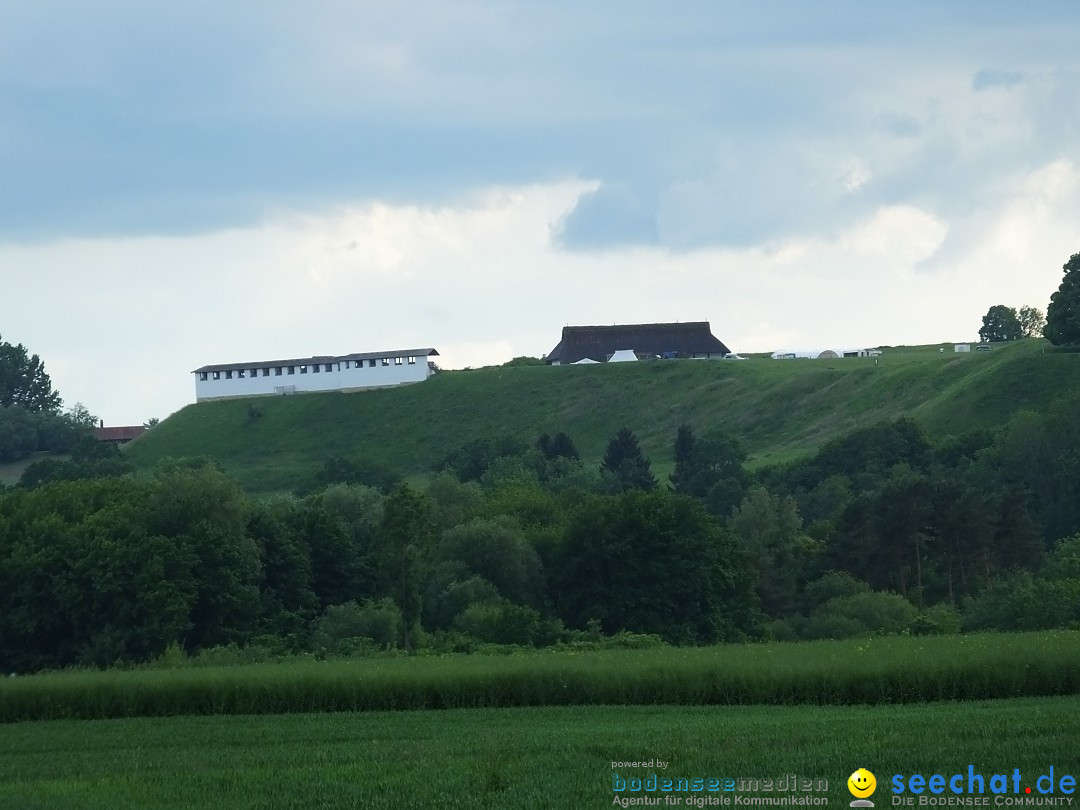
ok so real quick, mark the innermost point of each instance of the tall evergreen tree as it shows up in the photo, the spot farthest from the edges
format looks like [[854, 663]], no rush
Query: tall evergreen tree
[[683, 473], [627, 464], [558, 446], [709, 468]]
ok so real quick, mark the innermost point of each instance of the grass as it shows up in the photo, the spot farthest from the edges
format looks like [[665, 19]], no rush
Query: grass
[[870, 671], [777, 409], [504, 758]]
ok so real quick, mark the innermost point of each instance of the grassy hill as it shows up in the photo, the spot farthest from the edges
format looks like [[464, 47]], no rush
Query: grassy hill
[[778, 409], [12, 471]]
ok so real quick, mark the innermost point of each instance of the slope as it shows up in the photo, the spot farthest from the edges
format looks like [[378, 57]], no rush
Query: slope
[[777, 409]]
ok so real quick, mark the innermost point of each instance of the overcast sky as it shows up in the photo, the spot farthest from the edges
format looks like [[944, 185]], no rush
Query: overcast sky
[[183, 184]]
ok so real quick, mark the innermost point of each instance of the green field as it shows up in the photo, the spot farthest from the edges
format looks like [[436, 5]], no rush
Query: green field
[[777, 409], [898, 669], [530, 758], [540, 729]]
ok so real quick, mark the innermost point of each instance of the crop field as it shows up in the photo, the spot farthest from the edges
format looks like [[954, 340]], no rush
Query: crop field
[[548, 757], [869, 671]]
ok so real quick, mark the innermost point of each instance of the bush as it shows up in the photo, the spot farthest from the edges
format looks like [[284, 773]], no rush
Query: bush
[[832, 585], [363, 472], [500, 623], [781, 630], [444, 604], [1063, 561], [878, 612], [939, 620], [342, 626], [1021, 601], [833, 626]]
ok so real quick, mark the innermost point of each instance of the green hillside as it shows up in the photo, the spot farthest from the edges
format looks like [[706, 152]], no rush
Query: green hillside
[[778, 409]]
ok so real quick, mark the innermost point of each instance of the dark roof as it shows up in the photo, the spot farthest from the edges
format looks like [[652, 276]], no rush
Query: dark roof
[[598, 342], [118, 434], [310, 361]]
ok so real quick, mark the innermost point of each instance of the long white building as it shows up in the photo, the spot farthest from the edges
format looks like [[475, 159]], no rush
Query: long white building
[[350, 372]]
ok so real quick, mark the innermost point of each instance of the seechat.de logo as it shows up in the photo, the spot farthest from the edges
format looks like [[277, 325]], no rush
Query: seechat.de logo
[[862, 785]]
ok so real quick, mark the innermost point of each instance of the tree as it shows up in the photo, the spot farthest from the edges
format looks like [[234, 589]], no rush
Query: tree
[[89, 459], [498, 551], [524, 361], [287, 601], [406, 543], [470, 461], [60, 432], [23, 381], [338, 574], [653, 562], [625, 462], [205, 516], [18, 434], [1032, 322], [1063, 314], [1000, 323], [366, 472], [558, 446], [769, 529], [709, 468]]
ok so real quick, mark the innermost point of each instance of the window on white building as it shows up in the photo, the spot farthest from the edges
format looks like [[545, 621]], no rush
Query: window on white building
[[292, 369], [412, 361], [303, 369], [277, 371], [217, 375], [228, 375], [329, 367], [397, 361], [266, 372], [240, 374], [315, 369], [202, 376], [386, 361], [371, 363]]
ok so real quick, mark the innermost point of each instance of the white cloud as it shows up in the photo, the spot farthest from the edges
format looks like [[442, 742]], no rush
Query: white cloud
[[895, 238], [121, 322], [363, 176]]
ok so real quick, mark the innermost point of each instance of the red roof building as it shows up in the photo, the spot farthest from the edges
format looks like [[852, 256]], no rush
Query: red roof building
[[118, 435]]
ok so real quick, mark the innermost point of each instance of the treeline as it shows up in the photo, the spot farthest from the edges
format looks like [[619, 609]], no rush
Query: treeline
[[31, 418], [24, 432], [515, 543]]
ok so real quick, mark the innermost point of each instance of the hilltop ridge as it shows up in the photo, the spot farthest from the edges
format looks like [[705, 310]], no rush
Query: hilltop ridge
[[778, 409]]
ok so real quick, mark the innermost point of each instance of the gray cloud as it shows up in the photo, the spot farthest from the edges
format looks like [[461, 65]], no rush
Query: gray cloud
[[614, 214], [703, 122]]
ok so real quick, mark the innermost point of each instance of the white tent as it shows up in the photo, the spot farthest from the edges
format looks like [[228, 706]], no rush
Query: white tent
[[623, 356]]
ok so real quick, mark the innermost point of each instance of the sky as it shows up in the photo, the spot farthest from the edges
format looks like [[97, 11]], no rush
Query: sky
[[207, 182]]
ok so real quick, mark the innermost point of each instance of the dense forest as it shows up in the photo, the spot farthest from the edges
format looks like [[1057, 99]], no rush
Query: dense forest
[[514, 543]]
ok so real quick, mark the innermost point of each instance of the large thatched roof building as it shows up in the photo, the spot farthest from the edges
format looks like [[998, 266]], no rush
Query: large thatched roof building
[[662, 339]]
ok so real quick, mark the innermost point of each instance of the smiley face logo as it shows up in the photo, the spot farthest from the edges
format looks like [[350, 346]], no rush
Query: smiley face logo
[[861, 783]]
